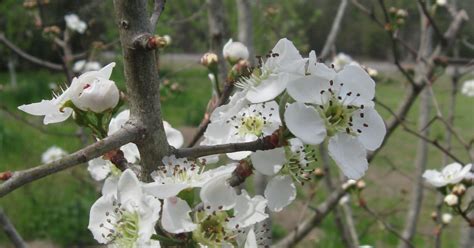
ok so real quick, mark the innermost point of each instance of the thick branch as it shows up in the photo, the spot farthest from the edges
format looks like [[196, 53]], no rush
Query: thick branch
[[200, 151], [143, 87], [336, 24], [26, 56], [319, 214], [10, 231], [127, 134]]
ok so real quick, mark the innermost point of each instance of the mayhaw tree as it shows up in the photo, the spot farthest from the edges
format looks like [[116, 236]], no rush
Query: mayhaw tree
[[267, 118]]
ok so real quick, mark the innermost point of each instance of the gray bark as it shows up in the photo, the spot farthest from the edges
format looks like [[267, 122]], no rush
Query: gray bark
[[218, 32], [426, 48], [336, 25], [244, 11], [12, 71], [10, 231], [142, 82]]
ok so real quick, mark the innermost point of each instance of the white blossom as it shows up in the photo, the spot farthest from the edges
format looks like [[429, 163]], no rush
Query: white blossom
[[341, 60], [337, 105], [53, 153], [130, 150], [101, 169], [441, 2], [271, 77], [451, 200], [451, 174], [240, 121], [235, 51], [55, 110], [446, 218], [74, 23], [468, 88], [127, 218]]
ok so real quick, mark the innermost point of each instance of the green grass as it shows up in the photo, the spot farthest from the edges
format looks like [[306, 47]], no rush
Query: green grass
[[57, 207]]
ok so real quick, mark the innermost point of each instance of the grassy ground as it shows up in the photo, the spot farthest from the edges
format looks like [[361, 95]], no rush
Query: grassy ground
[[56, 208]]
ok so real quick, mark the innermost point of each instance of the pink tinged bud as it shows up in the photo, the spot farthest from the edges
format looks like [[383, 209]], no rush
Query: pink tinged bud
[[451, 200], [97, 96], [446, 218], [459, 189], [235, 51], [209, 59]]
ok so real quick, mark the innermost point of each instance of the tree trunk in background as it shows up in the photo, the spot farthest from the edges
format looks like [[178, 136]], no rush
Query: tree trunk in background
[[218, 32], [12, 71], [426, 48], [244, 11]]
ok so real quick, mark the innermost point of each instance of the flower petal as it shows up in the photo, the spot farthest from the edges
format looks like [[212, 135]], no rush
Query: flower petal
[[269, 162], [98, 217], [174, 136], [280, 192], [248, 211], [305, 123], [129, 188], [372, 127], [149, 215], [349, 154], [218, 194], [110, 185], [164, 191], [175, 217], [98, 168], [357, 83], [269, 88]]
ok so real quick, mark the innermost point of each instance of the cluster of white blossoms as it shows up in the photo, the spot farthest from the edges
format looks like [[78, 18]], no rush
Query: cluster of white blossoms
[[74, 23], [288, 102], [453, 181]]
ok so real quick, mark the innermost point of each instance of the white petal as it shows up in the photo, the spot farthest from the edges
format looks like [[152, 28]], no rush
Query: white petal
[[349, 154], [434, 178], [149, 215], [248, 211], [131, 152], [269, 162], [129, 188], [305, 123], [280, 192], [372, 127], [98, 168], [175, 217], [174, 136], [452, 168], [98, 217], [213, 173], [308, 89], [356, 81], [251, 241], [218, 194], [40, 108], [118, 121], [269, 88], [58, 116], [238, 155], [164, 191], [106, 72], [110, 185]]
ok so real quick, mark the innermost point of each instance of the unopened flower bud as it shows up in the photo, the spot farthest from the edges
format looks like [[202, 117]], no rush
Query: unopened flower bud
[[349, 184], [98, 96], [434, 216], [459, 189], [446, 218], [167, 39], [241, 68], [451, 200], [402, 13], [234, 51], [318, 172], [209, 59], [360, 184]]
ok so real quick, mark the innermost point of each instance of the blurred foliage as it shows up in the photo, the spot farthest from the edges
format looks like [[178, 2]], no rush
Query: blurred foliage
[[306, 22]]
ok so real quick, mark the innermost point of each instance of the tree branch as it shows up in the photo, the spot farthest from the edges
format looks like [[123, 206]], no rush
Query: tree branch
[[10, 231], [439, 34], [200, 151], [158, 8], [126, 135], [336, 24], [28, 57], [320, 213]]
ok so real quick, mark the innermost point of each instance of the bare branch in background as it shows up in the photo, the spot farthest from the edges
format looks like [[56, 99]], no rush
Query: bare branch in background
[[158, 8], [10, 231], [336, 25], [126, 135], [244, 11], [431, 22], [218, 32], [323, 209], [28, 57]]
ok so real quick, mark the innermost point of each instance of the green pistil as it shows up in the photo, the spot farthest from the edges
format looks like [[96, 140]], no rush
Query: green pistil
[[211, 230], [127, 229], [337, 116], [251, 125]]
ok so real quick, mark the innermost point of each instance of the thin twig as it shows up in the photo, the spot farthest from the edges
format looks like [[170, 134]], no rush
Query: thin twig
[[336, 24], [10, 231], [127, 134], [158, 8], [28, 57], [439, 34]]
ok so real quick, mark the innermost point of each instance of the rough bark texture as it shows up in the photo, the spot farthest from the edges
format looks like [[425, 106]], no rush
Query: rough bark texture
[[143, 86]]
